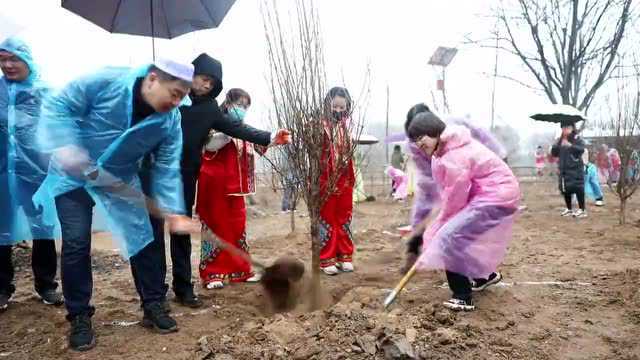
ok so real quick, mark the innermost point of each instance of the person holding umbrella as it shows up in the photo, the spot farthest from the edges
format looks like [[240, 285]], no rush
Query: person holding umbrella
[[99, 128], [22, 170], [568, 149]]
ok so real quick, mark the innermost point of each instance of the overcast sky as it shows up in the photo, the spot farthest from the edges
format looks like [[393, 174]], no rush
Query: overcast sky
[[395, 38]]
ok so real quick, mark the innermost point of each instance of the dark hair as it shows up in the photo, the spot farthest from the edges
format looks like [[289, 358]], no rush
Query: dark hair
[[233, 95], [415, 110], [166, 77], [425, 123], [396, 147], [337, 91]]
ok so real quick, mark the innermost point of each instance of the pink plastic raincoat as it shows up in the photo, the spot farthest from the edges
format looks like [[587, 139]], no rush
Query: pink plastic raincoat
[[479, 198], [400, 180]]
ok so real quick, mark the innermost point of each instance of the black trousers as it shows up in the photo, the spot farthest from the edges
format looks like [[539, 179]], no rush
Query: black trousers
[[460, 285], [568, 193], [180, 244], [44, 264]]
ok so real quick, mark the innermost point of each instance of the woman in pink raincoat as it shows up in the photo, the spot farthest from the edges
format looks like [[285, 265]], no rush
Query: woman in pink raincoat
[[479, 197], [400, 182], [427, 194]]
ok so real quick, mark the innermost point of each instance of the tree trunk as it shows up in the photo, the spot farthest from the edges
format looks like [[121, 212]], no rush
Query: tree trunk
[[623, 211], [293, 220], [315, 262]]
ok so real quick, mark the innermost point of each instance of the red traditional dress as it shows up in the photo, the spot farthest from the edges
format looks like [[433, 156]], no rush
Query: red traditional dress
[[335, 215], [540, 161], [226, 176]]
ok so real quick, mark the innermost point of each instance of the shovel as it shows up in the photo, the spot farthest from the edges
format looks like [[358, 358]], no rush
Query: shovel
[[403, 282]]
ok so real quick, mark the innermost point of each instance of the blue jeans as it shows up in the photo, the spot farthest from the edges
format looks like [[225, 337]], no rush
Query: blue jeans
[[75, 212]]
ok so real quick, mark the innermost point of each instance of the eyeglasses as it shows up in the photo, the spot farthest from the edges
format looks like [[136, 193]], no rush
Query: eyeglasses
[[241, 105], [419, 140]]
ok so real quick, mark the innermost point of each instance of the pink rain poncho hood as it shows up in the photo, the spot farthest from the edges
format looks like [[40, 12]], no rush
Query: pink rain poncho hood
[[479, 196]]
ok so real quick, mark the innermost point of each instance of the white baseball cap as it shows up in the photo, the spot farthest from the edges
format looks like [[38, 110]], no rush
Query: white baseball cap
[[179, 70]]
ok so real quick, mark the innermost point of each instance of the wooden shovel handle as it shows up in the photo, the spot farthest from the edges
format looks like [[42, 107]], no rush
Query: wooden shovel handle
[[403, 282]]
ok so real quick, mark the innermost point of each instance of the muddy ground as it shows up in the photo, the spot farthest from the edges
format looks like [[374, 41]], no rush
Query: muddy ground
[[571, 291]]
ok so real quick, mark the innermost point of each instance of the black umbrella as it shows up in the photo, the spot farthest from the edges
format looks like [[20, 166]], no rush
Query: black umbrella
[[163, 19], [558, 113]]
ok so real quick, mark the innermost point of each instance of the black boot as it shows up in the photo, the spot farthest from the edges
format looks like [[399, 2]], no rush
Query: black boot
[[190, 300], [81, 337], [157, 318]]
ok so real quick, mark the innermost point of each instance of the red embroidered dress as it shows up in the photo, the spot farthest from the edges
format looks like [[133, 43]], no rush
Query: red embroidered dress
[[335, 215], [226, 176]]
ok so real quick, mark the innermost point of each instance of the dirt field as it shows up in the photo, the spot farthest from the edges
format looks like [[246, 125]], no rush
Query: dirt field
[[571, 291]]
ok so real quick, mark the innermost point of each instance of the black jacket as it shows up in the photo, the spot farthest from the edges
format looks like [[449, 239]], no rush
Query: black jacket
[[570, 164], [204, 114]]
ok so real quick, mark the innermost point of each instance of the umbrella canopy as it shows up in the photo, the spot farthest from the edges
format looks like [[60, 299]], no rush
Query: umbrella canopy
[[367, 140], [396, 138], [560, 113], [163, 19]]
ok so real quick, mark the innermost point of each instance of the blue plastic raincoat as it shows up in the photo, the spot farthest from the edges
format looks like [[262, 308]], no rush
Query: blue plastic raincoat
[[94, 113], [591, 182], [22, 166]]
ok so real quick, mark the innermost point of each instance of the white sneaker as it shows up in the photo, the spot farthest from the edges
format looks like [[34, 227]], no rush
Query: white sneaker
[[331, 270], [459, 305], [580, 213], [566, 212], [599, 203], [345, 266], [215, 285], [255, 278]]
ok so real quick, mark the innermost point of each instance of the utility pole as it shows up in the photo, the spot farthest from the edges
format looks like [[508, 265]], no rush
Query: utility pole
[[386, 131], [495, 76]]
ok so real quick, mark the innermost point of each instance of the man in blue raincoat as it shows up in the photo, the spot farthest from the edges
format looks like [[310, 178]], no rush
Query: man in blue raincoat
[[99, 129], [22, 170]]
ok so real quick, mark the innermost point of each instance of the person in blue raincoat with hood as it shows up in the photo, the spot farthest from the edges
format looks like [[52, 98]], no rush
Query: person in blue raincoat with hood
[[22, 170], [99, 129]]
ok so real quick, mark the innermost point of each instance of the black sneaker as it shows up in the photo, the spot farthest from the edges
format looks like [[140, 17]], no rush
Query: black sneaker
[[165, 305], [481, 284], [4, 301], [51, 297], [189, 300], [459, 304], [156, 318], [82, 337]]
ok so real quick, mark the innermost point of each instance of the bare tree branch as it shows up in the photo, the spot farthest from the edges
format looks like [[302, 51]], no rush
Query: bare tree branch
[[569, 46]]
